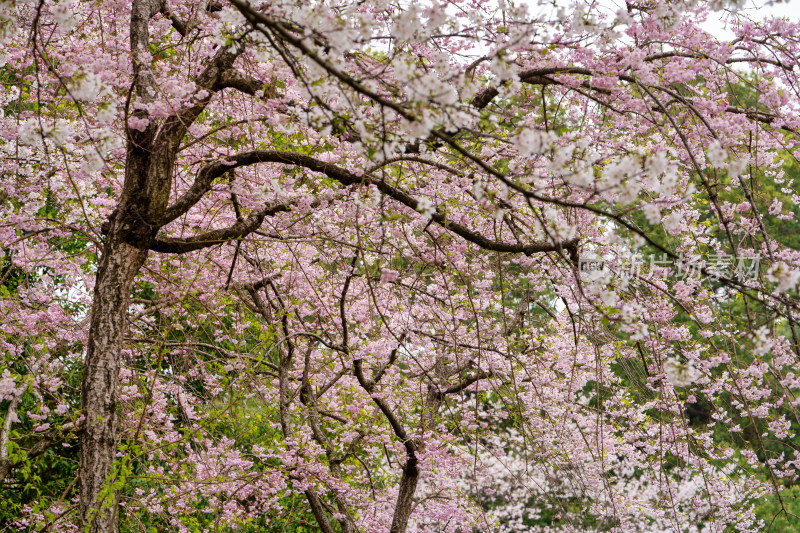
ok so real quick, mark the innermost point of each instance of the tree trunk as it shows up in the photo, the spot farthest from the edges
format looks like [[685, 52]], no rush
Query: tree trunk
[[405, 496], [118, 267]]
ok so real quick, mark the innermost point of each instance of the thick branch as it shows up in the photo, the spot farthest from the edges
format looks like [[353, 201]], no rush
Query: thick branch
[[141, 13], [238, 230], [234, 79], [207, 175], [759, 116], [177, 23], [176, 126], [466, 382], [318, 510], [534, 76]]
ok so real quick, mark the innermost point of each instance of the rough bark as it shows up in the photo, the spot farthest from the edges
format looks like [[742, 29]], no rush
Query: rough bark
[[130, 232], [118, 267], [405, 497]]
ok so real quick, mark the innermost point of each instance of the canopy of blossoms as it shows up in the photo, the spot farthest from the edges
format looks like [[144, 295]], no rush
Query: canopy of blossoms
[[369, 266]]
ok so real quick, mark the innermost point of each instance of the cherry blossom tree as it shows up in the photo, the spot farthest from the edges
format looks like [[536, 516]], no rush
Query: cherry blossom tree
[[374, 266]]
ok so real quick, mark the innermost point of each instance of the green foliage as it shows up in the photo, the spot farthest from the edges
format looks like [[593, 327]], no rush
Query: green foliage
[[780, 518]]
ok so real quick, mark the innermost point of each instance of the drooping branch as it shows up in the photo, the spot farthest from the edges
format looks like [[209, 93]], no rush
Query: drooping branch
[[316, 503], [377, 375], [261, 22], [207, 175], [202, 184], [539, 76], [369, 386]]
